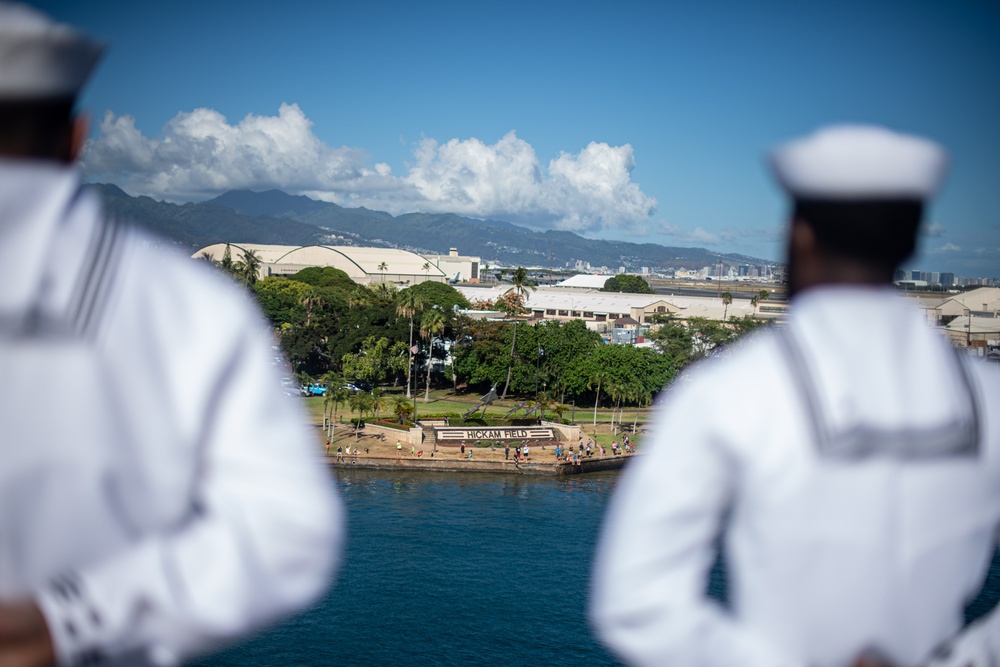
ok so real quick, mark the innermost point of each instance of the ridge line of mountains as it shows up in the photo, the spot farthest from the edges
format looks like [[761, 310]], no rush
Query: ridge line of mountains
[[275, 217]]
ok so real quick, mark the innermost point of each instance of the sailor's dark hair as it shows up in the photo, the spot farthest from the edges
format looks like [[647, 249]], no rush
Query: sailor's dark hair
[[881, 232]]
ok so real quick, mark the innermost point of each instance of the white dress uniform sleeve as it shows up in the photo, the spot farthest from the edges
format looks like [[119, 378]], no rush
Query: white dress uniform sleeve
[[977, 646], [261, 539], [648, 599]]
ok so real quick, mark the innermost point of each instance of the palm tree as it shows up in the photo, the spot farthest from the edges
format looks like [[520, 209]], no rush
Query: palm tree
[[426, 268], [757, 298], [383, 292], [379, 401], [485, 271], [597, 376], [226, 263], [727, 298], [642, 398], [616, 390], [402, 408], [407, 306], [431, 326], [383, 267], [521, 283], [360, 298], [309, 302], [361, 403], [545, 402], [248, 267], [335, 398]]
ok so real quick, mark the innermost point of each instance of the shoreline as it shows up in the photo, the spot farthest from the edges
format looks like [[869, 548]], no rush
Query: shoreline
[[503, 467]]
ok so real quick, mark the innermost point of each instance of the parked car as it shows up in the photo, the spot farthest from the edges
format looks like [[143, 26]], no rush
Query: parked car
[[314, 389]]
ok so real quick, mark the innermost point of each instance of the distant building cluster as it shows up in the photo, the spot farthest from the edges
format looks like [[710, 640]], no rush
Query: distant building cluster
[[618, 317], [918, 279], [969, 319], [733, 273], [722, 271]]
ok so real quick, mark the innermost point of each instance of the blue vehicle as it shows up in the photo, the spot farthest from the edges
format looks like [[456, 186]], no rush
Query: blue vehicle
[[314, 389]]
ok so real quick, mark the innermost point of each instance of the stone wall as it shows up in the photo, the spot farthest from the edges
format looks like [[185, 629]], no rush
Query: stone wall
[[567, 433], [473, 465]]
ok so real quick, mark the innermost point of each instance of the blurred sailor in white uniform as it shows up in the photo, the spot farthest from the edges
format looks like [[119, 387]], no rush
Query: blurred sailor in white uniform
[[850, 460], [159, 497]]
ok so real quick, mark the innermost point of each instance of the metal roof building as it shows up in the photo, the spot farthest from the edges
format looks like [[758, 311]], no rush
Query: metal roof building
[[363, 265], [601, 309], [585, 281]]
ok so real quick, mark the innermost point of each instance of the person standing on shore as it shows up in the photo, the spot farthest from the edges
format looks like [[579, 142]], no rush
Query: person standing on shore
[[858, 520], [137, 526]]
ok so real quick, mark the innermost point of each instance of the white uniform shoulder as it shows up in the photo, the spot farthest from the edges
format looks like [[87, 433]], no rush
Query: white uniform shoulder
[[731, 395], [178, 290], [237, 523]]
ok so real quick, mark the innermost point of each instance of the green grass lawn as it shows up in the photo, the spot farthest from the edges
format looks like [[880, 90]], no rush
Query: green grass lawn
[[444, 401]]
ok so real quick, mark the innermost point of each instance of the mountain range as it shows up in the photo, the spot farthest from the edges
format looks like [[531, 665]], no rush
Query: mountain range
[[274, 217]]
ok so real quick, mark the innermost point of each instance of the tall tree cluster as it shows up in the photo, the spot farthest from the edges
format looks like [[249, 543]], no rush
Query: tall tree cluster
[[331, 328], [624, 282]]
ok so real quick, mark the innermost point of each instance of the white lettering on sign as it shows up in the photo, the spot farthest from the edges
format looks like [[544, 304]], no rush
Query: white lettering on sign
[[494, 433]]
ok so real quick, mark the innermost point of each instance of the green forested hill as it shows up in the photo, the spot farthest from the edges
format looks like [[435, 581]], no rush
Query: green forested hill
[[276, 217], [197, 225]]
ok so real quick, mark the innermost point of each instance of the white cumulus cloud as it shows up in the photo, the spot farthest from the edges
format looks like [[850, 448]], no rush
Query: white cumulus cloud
[[948, 247], [201, 154]]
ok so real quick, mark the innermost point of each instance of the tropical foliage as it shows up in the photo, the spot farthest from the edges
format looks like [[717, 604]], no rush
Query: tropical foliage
[[329, 327], [627, 283], [513, 305], [245, 270]]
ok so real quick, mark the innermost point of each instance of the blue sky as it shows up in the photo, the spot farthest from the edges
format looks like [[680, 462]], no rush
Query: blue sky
[[644, 121]]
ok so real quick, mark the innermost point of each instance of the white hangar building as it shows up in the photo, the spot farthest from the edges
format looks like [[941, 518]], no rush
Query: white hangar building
[[363, 265], [600, 310]]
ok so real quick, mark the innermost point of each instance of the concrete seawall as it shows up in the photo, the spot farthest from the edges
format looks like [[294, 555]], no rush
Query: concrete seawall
[[472, 465]]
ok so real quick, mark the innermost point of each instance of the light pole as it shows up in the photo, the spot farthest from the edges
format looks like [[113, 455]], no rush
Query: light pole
[[968, 328], [538, 367]]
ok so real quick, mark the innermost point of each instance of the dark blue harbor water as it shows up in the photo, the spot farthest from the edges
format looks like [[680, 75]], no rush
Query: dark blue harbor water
[[448, 569]]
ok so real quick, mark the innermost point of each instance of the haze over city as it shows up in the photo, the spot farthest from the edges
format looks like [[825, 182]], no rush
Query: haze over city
[[646, 122]]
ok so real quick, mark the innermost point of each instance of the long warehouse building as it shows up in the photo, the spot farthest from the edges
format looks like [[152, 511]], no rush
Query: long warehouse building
[[363, 265]]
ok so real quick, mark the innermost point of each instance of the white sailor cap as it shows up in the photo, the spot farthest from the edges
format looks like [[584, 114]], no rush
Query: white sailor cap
[[41, 59], [859, 162]]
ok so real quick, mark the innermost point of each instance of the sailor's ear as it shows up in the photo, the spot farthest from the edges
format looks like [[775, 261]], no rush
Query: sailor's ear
[[78, 135], [803, 239]]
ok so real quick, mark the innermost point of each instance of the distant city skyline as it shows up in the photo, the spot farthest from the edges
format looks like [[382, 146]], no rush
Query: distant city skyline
[[639, 121]]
